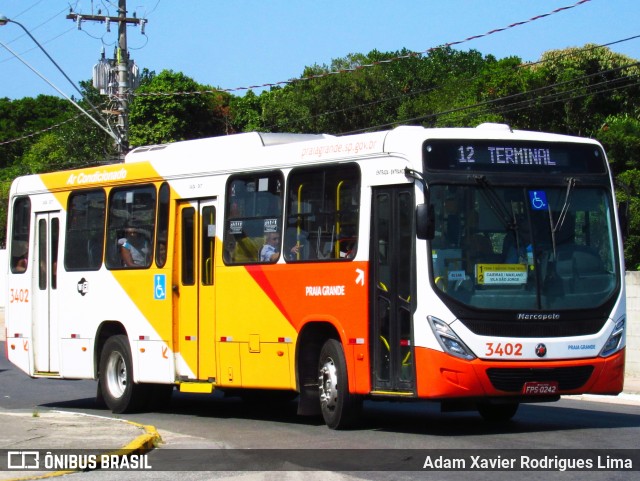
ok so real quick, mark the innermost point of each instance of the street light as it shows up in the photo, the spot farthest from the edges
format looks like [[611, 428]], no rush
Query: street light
[[3, 21]]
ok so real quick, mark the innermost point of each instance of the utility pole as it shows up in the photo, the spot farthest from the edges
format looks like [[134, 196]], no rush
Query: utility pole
[[123, 75], [123, 67]]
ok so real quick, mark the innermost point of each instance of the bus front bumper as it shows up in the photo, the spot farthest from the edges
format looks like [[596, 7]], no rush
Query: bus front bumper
[[442, 376]]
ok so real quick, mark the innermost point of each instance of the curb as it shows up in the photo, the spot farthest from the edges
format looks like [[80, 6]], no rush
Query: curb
[[140, 445], [143, 443]]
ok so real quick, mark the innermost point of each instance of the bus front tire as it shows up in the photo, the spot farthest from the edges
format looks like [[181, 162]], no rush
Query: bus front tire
[[339, 408], [118, 390]]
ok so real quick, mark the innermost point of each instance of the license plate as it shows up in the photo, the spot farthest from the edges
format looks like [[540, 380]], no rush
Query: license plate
[[536, 388]]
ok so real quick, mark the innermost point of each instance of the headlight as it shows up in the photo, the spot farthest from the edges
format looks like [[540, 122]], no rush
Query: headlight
[[613, 343], [449, 340]]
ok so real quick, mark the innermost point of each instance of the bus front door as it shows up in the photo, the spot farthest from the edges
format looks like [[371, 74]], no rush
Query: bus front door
[[45, 293], [194, 290], [391, 271]]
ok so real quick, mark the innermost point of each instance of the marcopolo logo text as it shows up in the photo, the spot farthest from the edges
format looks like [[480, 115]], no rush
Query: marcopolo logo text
[[526, 316]]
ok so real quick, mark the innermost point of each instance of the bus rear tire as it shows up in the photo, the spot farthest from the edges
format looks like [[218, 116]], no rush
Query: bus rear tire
[[497, 413], [339, 408], [120, 393]]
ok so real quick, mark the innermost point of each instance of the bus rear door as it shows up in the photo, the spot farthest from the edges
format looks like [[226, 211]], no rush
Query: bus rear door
[[45, 293], [194, 290]]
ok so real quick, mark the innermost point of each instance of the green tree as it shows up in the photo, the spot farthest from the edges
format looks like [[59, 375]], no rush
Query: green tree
[[22, 119], [161, 112], [629, 195], [445, 89], [246, 112], [376, 90], [578, 88], [620, 135], [46, 134]]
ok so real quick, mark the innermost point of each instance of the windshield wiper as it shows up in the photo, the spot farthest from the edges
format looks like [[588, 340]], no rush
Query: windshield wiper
[[496, 204], [555, 227]]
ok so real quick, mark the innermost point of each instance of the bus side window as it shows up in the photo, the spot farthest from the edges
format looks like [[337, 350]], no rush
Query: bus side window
[[163, 225], [253, 211], [131, 226], [20, 235], [84, 241], [322, 218]]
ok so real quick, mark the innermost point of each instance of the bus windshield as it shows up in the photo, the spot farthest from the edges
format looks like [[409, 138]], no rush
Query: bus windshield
[[522, 248]]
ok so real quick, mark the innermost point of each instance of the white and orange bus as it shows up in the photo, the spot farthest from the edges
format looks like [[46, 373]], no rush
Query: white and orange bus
[[480, 268]]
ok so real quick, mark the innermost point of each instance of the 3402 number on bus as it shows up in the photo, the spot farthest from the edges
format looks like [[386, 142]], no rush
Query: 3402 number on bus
[[499, 349]]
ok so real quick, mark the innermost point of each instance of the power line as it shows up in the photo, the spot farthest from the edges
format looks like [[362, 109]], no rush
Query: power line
[[372, 64], [4, 21], [502, 99], [79, 17], [36, 28], [47, 129], [561, 96], [521, 105], [462, 82]]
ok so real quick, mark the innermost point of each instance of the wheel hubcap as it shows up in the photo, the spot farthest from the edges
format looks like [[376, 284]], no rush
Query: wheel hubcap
[[116, 375], [328, 384]]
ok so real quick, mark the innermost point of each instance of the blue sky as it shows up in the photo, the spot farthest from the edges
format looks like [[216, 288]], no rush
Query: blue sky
[[234, 44]]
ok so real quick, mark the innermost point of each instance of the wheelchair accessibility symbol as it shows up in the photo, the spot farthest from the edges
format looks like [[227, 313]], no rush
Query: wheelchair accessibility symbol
[[160, 285], [538, 199]]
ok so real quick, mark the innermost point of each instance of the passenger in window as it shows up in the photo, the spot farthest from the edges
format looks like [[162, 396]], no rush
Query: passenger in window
[[133, 248], [299, 241], [20, 259], [270, 250], [22, 263]]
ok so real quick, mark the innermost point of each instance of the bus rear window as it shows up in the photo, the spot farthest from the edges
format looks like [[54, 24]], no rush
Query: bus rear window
[[20, 235]]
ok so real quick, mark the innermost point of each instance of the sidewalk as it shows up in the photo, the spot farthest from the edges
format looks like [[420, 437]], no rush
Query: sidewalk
[[56, 430]]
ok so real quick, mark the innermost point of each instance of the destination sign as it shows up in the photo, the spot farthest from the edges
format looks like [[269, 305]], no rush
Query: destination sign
[[513, 156], [501, 274]]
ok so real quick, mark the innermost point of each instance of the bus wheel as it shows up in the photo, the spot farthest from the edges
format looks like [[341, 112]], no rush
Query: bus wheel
[[116, 377], [339, 408], [497, 413]]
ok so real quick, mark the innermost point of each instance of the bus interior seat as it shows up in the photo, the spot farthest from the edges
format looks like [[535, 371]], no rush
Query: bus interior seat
[[248, 249]]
